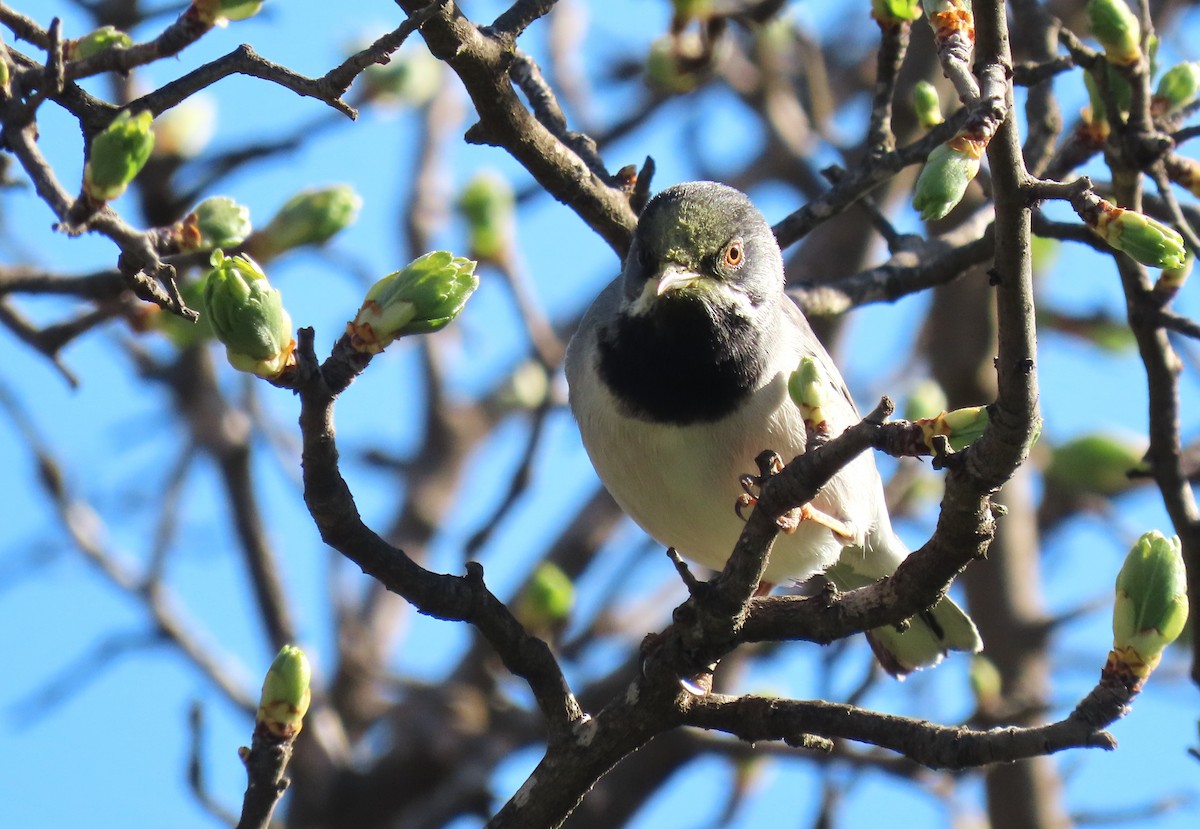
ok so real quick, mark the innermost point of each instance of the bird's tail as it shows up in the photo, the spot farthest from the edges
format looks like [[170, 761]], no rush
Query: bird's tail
[[929, 635], [926, 637]]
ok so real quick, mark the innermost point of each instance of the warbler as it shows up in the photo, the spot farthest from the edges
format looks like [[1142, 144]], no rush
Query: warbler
[[678, 379]]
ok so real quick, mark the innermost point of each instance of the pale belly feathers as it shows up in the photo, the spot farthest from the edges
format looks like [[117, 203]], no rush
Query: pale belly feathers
[[681, 483]]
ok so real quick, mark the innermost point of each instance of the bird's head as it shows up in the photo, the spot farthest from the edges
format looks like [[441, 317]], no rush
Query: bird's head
[[706, 242]]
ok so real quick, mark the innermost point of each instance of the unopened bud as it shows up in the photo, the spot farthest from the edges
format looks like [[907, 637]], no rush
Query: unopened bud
[[986, 682], [895, 12], [927, 399], [185, 129], [526, 388], [686, 10], [220, 12], [217, 222], [117, 155], [960, 427], [412, 78], [547, 599], [248, 316], [944, 179], [422, 297], [93, 43], [286, 694], [311, 217], [927, 104], [1095, 464], [1151, 603], [1178, 88], [1097, 112], [487, 203], [676, 64], [1147, 240], [1117, 29], [809, 389]]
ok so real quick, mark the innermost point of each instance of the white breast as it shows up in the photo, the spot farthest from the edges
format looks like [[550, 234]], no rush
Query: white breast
[[681, 483]]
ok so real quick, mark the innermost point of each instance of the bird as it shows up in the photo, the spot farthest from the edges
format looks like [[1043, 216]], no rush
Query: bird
[[677, 377]]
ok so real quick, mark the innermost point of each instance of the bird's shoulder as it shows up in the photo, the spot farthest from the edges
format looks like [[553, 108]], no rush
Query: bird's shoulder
[[582, 346]]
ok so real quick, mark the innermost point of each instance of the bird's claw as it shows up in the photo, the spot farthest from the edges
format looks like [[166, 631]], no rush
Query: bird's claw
[[810, 513], [743, 501], [789, 522], [701, 684], [770, 463]]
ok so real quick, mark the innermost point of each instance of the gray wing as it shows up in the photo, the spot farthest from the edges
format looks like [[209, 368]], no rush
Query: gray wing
[[581, 348]]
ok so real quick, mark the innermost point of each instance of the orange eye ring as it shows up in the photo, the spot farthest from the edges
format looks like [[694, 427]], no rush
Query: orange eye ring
[[734, 255]]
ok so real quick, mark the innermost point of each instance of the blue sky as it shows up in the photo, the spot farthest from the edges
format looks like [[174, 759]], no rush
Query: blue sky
[[119, 746]]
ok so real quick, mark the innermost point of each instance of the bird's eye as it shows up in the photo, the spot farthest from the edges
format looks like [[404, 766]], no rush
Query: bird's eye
[[734, 255], [644, 259]]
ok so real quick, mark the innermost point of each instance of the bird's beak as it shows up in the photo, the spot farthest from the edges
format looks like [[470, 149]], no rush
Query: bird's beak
[[674, 278]]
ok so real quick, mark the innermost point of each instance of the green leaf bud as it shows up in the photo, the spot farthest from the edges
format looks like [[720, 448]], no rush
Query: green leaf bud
[[944, 179], [412, 78], [686, 10], [1151, 602], [1152, 44], [1096, 114], [286, 694], [93, 43], [248, 316], [1094, 464], [1099, 329], [965, 426], [1117, 29], [547, 599], [311, 217], [117, 155], [185, 129], [1178, 88], [895, 12], [526, 387], [217, 222], [1145, 239], [927, 104], [220, 12], [809, 389], [960, 427], [927, 399], [422, 297], [986, 682], [675, 65], [488, 204]]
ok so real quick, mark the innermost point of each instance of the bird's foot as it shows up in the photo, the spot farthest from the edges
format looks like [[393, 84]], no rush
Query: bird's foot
[[744, 501], [769, 463], [789, 522], [698, 684]]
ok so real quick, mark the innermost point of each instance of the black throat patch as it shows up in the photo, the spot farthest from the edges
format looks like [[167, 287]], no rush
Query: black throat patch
[[677, 364]]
